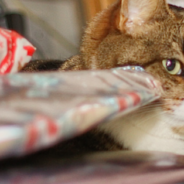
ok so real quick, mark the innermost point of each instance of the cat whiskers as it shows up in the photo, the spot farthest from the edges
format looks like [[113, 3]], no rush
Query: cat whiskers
[[154, 110]]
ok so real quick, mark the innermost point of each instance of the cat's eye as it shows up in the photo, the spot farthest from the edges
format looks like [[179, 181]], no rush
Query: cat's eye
[[172, 66]]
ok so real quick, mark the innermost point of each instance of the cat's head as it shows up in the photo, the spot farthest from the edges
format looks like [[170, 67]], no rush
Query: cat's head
[[149, 33]]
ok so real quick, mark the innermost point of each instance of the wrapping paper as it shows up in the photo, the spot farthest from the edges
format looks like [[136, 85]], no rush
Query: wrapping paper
[[15, 51], [39, 110]]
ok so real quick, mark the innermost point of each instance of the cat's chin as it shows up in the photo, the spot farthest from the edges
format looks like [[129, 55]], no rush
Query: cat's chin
[[147, 130]]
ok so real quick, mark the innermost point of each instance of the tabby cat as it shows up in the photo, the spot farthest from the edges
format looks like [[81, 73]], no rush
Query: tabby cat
[[147, 33]]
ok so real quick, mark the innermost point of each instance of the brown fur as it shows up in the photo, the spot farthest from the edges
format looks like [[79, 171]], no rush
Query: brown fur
[[113, 39]]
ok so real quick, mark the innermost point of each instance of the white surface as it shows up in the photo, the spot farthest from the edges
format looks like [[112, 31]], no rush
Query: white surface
[[63, 15], [176, 2]]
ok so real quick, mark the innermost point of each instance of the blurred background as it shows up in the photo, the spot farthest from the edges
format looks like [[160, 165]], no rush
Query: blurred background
[[54, 27]]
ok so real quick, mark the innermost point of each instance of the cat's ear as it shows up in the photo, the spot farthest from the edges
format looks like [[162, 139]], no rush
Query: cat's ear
[[134, 14]]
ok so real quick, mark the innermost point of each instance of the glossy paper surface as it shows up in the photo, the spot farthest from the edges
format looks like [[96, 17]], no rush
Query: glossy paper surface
[[38, 110]]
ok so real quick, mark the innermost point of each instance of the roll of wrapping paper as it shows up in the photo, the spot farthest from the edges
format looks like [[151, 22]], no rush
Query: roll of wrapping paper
[[15, 51], [39, 110]]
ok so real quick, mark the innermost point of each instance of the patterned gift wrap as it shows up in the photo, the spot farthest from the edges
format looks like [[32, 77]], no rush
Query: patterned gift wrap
[[39, 110]]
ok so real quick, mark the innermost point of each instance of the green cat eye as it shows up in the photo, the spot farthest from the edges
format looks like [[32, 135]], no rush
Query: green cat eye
[[172, 66]]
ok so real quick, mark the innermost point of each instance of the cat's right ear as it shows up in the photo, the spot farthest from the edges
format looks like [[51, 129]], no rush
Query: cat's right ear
[[135, 14]]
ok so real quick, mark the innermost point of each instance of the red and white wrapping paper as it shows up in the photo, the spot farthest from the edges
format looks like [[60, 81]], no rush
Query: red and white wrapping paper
[[15, 51], [39, 110]]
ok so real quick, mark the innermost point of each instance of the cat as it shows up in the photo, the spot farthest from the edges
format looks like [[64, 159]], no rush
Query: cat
[[147, 33]]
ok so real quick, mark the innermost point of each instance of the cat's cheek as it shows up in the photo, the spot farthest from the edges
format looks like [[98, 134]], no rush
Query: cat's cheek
[[178, 112], [173, 86], [179, 130], [146, 130], [178, 117]]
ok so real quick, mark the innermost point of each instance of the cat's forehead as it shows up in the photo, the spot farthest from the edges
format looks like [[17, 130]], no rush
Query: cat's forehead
[[172, 35], [164, 41], [167, 38]]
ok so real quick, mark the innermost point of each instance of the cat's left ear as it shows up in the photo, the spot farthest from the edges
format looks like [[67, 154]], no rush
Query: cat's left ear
[[135, 14]]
